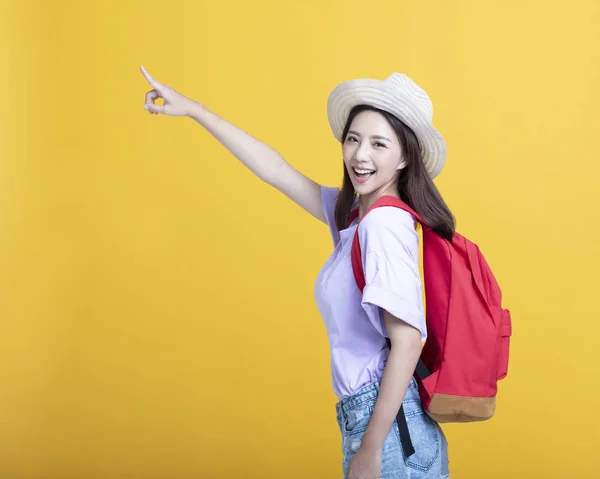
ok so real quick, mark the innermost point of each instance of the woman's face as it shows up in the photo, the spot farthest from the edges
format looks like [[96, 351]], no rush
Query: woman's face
[[372, 154]]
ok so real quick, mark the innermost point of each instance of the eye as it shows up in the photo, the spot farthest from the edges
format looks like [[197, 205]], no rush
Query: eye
[[378, 144], [351, 139]]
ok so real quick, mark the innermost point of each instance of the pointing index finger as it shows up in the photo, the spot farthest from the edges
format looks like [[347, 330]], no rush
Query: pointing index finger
[[155, 84]]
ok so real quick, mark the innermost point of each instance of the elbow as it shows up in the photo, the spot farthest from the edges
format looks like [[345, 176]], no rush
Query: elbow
[[411, 342], [273, 175], [407, 342], [405, 338]]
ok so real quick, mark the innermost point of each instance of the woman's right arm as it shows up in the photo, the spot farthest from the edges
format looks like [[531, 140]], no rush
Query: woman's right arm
[[258, 157]]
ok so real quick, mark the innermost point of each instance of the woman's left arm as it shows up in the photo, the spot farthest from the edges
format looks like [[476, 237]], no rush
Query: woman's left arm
[[400, 367]]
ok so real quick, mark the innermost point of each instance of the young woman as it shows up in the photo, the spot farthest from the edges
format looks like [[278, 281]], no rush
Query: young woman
[[389, 147]]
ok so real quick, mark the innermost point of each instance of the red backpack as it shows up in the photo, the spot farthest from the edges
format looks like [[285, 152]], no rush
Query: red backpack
[[466, 351]]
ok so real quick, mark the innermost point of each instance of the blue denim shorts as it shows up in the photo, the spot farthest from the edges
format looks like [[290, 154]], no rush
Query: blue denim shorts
[[430, 460]]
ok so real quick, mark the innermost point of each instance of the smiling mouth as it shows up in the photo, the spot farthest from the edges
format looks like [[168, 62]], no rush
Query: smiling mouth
[[362, 174]]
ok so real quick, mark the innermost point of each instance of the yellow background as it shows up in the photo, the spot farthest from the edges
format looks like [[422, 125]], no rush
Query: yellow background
[[157, 317]]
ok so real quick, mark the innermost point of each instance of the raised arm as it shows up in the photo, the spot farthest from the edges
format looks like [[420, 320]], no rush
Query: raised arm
[[258, 157]]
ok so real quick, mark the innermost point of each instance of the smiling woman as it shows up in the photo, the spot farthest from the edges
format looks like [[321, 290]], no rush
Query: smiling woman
[[392, 151]]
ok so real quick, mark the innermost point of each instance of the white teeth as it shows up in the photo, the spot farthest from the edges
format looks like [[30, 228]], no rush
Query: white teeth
[[363, 172]]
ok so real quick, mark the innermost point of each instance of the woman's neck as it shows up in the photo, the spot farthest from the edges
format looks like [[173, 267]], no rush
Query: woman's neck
[[366, 201]]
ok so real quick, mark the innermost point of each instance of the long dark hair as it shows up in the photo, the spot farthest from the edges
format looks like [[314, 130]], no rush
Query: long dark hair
[[415, 186]]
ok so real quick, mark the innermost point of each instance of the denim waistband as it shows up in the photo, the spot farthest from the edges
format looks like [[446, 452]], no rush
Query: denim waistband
[[370, 392]]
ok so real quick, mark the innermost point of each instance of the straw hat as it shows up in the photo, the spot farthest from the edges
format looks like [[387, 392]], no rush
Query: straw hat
[[401, 97]]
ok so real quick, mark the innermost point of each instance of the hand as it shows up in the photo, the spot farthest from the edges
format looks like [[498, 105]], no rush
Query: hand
[[175, 104], [366, 464]]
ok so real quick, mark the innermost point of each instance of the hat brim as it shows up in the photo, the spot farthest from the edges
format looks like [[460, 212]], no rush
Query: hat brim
[[377, 94]]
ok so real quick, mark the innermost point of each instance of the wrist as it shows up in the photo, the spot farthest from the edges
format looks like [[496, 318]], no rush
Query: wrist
[[371, 443], [196, 111]]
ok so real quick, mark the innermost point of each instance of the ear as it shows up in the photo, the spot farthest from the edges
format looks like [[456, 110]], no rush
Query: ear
[[401, 165]]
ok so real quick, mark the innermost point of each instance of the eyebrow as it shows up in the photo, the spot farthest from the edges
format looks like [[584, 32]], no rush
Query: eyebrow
[[376, 137]]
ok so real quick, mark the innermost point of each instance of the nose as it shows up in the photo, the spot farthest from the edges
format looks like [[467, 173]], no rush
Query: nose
[[361, 154]]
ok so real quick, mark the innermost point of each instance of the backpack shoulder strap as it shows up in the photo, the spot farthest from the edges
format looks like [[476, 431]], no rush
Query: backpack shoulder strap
[[356, 254]]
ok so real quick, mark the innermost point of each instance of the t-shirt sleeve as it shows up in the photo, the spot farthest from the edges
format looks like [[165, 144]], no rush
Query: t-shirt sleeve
[[328, 200], [390, 255]]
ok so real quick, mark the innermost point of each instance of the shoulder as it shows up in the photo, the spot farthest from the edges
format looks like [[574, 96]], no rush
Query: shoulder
[[328, 200], [389, 229], [388, 219], [329, 195]]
